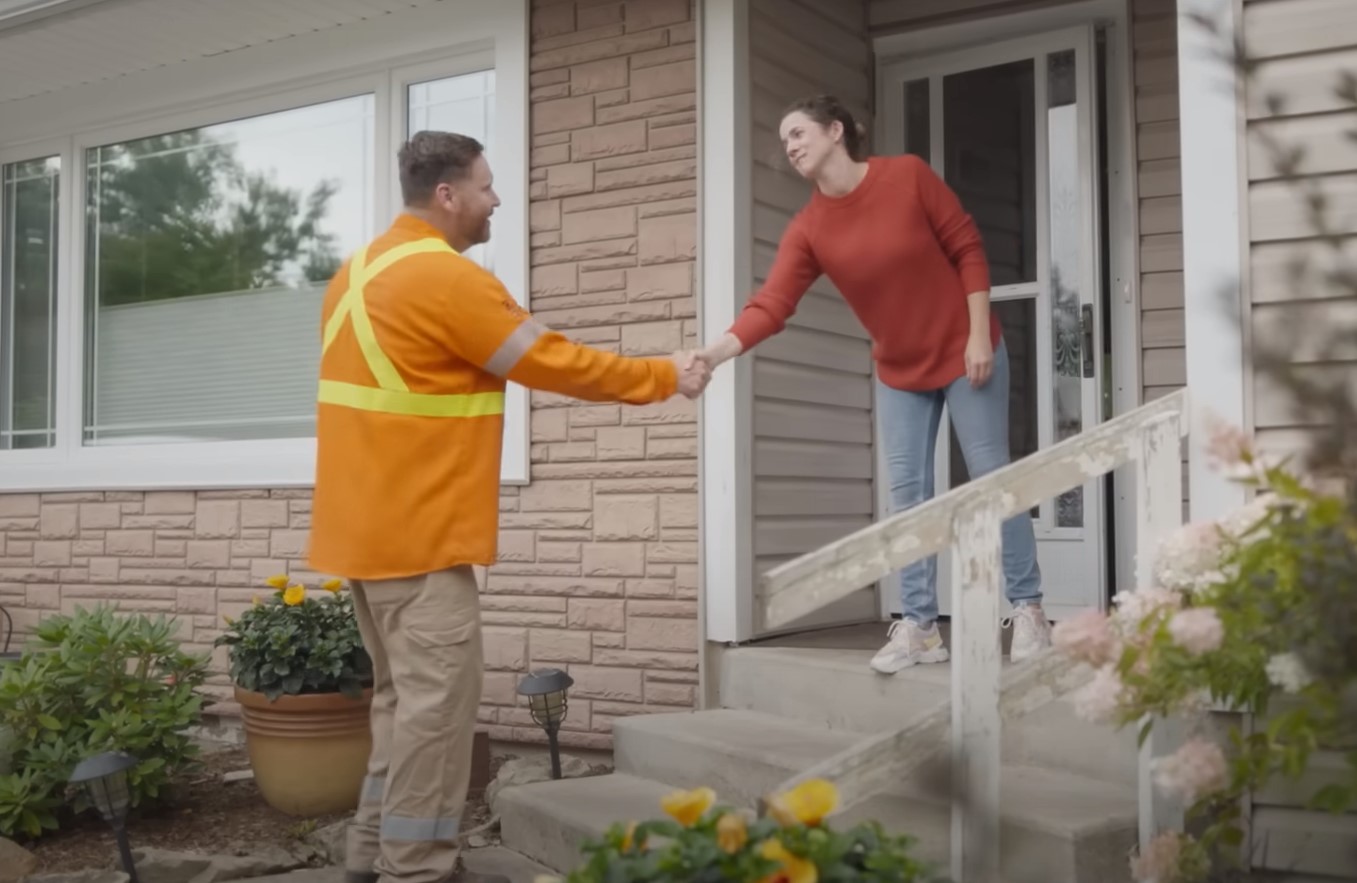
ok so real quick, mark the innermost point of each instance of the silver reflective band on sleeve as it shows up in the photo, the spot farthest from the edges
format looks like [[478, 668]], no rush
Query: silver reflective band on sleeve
[[515, 347], [419, 830], [373, 788]]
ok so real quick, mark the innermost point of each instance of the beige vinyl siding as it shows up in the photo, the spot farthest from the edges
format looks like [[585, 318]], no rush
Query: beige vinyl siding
[[1301, 46], [1154, 46], [814, 450]]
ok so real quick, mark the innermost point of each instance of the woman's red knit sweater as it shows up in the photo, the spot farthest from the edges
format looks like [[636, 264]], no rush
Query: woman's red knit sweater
[[903, 253]]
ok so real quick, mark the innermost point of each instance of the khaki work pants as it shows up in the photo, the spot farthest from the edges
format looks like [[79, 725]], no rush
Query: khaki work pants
[[424, 636]]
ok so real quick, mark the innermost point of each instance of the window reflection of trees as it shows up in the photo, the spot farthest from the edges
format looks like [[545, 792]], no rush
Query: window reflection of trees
[[179, 215]]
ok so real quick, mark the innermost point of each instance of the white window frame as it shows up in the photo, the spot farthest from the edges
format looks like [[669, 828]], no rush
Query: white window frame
[[378, 57], [34, 151]]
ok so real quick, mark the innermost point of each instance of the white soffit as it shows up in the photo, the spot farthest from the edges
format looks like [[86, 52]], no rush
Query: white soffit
[[49, 45]]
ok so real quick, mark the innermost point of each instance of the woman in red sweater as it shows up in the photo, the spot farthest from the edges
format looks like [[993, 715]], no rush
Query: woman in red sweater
[[896, 242]]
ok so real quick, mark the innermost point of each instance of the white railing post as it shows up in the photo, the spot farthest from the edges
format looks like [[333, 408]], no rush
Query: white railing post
[[978, 561], [1159, 512]]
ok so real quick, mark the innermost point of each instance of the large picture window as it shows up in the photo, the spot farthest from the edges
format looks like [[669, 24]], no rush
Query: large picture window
[[165, 245], [207, 252]]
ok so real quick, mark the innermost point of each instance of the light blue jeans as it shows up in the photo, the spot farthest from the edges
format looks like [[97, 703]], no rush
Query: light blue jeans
[[909, 424]]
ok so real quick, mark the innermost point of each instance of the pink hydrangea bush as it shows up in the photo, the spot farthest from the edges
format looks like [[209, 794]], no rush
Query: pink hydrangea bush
[[1231, 620]]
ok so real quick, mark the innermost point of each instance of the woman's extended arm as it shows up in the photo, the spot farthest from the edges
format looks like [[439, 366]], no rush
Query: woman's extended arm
[[793, 271]]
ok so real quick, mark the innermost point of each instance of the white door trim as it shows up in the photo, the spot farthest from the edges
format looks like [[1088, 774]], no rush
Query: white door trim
[[1215, 253], [725, 274], [1124, 229]]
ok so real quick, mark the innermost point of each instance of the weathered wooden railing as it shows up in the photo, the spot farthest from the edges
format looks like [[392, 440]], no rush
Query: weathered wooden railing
[[968, 520]]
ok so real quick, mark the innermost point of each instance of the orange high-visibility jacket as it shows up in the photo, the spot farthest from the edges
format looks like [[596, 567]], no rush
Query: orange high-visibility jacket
[[417, 343]]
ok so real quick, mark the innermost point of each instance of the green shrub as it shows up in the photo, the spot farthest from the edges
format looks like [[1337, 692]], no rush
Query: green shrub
[[91, 682], [299, 642]]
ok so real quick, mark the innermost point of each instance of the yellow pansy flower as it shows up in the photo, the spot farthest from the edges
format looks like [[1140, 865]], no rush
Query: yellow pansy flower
[[294, 595], [629, 841], [278, 581], [332, 585], [686, 807], [731, 833], [794, 868], [806, 804]]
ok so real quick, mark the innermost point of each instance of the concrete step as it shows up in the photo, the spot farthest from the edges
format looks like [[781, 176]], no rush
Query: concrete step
[[1077, 840], [834, 689], [549, 821], [744, 755]]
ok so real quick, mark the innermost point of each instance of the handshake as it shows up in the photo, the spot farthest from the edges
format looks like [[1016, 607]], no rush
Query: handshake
[[694, 371]]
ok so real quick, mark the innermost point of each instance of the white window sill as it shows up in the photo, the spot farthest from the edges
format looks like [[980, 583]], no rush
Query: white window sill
[[171, 466], [289, 463]]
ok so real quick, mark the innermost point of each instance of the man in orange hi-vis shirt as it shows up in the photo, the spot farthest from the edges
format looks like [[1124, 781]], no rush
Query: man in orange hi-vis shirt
[[418, 342]]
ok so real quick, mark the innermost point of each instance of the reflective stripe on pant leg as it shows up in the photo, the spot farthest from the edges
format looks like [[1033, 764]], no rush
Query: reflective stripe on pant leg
[[373, 788], [363, 838], [410, 830], [436, 665]]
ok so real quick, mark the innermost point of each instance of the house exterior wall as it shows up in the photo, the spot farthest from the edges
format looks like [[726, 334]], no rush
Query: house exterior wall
[[1302, 47], [1154, 46], [813, 446], [598, 554], [600, 562]]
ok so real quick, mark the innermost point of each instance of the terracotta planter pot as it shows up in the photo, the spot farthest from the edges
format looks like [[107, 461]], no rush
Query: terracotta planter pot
[[309, 753]]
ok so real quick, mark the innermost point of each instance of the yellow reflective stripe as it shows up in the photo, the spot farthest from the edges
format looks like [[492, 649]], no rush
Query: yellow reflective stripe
[[352, 306], [378, 362], [412, 404], [342, 308]]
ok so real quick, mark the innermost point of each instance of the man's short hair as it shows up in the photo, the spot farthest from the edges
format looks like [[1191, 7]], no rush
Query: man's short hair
[[432, 158]]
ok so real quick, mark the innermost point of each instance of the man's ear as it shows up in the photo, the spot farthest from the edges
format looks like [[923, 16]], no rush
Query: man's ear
[[446, 195]]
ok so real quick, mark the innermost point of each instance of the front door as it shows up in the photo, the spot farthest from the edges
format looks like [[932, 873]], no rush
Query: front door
[[1011, 129]]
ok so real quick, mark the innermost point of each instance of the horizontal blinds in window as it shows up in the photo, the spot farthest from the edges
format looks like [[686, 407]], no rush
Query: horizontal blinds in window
[[227, 366]]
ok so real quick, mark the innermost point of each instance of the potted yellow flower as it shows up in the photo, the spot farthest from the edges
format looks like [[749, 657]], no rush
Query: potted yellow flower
[[303, 681], [703, 841]]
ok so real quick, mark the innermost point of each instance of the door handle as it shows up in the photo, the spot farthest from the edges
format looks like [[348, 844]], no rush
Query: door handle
[[1086, 326]]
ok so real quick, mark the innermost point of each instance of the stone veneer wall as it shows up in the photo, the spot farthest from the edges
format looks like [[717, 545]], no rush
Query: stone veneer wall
[[598, 556]]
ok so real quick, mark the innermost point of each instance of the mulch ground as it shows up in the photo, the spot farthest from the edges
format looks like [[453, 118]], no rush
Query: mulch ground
[[207, 816]]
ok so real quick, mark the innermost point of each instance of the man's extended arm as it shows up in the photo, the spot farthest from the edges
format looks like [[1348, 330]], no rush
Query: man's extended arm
[[491, 330]]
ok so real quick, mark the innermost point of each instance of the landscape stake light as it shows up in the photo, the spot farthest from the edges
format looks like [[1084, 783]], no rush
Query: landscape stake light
[[546, 691], [103, 778]]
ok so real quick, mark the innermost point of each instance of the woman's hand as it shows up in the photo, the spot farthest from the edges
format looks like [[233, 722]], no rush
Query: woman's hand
[[726, 347], [979, 358]]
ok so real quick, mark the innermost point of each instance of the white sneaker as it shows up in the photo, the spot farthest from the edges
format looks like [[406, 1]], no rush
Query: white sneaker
[[909, 645], [1031, 632]]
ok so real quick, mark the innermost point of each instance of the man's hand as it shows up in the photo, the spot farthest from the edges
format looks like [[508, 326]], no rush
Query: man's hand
[[979, 359], [693, 373]]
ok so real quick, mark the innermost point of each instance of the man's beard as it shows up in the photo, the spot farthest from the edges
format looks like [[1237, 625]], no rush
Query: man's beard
[[481, 234]]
